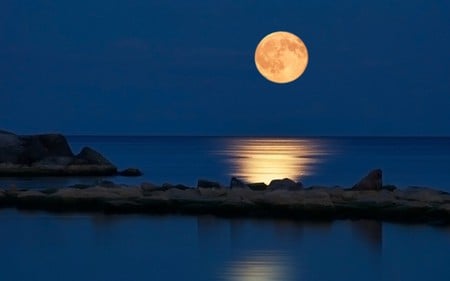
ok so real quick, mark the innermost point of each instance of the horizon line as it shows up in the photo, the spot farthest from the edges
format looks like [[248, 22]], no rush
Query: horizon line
[[228, 135], [261, 136]]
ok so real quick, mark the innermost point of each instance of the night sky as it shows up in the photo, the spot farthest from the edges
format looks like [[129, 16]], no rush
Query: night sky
[[186, 67]]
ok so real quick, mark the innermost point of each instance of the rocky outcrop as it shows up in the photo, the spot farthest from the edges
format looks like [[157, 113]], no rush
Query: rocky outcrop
[[285, 184], [418, 205], [48, 155], [237, 183], [88, 156], [373, 181], [167, 186], [257, 186], [26, 150], [207, 184], [282, 198]]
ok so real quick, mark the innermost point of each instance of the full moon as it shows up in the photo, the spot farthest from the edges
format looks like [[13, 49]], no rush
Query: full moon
[[281, 57]]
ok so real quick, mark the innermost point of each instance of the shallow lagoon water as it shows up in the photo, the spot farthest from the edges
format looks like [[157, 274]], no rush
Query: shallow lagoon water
[[43, 246]]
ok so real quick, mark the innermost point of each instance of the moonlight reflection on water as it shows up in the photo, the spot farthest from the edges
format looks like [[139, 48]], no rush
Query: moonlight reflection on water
[[261, 266], [262, 160]]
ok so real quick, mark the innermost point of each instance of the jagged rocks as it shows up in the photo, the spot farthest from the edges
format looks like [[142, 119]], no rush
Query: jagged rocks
[[284, 184], [372, 181], [48, 155]]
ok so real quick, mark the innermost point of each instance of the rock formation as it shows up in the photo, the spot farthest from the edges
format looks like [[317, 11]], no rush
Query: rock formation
[[285, 184], [418, 205], [257, 186], [48, 155], [413, 204], [237, 183], [207, 184], [372, 181]]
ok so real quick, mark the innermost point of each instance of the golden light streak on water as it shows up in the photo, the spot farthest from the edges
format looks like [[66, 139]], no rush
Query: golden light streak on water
[[260, 266], [263, 159]]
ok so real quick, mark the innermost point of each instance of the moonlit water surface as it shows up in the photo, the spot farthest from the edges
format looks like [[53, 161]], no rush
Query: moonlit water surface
[[73, 247], [265, 159], [41, 246], [314, 161]]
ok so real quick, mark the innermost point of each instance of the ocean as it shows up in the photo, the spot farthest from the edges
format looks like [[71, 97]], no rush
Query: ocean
[[47, 246], [313, 161]]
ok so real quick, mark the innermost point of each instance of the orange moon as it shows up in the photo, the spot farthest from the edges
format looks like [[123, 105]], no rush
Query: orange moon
[[281, 57]]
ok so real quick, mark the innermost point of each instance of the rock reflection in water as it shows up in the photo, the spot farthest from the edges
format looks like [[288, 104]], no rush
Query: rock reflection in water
[[289, 250], [260, 266], [370, 231], [264, 159]]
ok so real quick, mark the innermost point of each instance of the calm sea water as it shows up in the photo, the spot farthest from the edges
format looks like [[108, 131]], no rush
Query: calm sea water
[[314, 161], [42, 246]]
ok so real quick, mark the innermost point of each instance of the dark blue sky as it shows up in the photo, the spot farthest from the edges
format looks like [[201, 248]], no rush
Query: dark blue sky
[[186, 67]]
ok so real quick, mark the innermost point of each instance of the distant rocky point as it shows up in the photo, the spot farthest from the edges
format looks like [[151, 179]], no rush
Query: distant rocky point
[[51, 155]]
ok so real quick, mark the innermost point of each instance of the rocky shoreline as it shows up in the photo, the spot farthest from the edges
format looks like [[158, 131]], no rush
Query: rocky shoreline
[[51, 155], [412, 205]]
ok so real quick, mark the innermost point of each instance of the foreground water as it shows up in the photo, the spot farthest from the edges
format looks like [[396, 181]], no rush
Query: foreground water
[[323, 161], [41, 246]]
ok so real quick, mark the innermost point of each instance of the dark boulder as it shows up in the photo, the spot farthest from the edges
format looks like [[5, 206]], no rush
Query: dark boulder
[[373, 181], [207, 184], [167, 186], [38, 147], [237, 183], [26, 150], [89, 156], [285, 184], [10, 147], [90, 163], [48, 155], [52, 161], [33, 150], [257, 186], [54, 145], [131, 172]]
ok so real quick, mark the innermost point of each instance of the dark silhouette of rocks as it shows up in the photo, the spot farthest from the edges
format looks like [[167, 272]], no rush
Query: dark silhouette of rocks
[[90, 157], [237, 183], [370, 231], [48, 155], [167, 186], [373, 181], [207, 184], [284, 184], [51, 155], [413, 205], [26, 150], [257, 186]]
